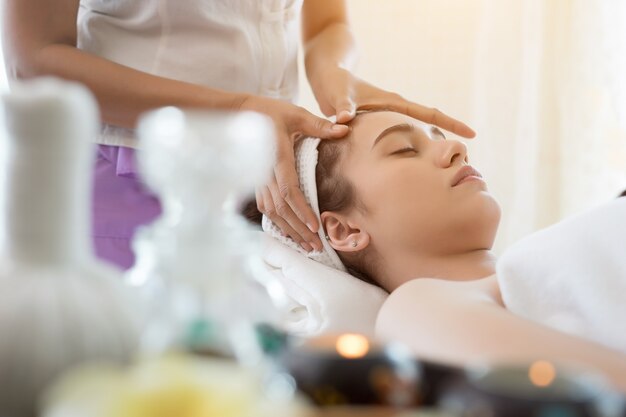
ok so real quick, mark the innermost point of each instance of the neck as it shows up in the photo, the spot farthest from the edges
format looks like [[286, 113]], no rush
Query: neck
[[462, 266]]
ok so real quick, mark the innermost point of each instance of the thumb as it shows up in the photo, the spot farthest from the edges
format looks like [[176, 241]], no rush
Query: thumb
[[345, 109], [314, 126]]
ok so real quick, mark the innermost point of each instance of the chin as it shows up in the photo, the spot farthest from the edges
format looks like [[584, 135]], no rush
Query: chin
[[488, 217], [477, 222]]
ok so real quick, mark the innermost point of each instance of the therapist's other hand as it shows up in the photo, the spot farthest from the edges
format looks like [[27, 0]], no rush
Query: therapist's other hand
[[340, 93], [281, 200]]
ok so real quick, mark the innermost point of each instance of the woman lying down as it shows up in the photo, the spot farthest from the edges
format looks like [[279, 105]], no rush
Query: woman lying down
[[402, 208]]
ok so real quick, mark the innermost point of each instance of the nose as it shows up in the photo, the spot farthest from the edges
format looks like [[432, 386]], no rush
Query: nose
[[452, 152]]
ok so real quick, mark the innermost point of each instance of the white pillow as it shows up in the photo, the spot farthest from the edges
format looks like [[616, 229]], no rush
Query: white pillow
[[320, 299]]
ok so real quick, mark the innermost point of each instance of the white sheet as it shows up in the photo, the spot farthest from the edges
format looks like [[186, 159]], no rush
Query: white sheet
[[572, 275]]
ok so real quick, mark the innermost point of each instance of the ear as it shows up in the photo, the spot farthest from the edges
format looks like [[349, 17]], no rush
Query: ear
[[344, 235]]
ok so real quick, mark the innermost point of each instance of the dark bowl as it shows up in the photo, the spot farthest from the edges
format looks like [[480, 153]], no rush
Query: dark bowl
[[380, 376]]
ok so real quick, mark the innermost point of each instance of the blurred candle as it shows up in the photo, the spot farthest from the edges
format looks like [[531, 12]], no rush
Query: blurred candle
[[352, 346], [350, 369], [542, 373]]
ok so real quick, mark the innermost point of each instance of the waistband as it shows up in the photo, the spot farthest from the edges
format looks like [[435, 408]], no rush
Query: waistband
[[124, 159]]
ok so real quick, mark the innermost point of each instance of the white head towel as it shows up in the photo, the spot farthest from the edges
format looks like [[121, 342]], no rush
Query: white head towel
[[306, 161]]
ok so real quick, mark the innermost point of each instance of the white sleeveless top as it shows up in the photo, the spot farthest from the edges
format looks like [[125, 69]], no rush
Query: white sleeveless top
[[235, 45]]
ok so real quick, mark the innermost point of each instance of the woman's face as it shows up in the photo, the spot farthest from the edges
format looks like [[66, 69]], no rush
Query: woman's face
[[417, 192]]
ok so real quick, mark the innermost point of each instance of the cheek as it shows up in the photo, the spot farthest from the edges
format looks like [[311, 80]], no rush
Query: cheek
[[402, 195]]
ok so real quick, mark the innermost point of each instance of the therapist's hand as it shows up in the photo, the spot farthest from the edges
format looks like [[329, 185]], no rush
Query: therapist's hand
[[281, 200], [340, 93]]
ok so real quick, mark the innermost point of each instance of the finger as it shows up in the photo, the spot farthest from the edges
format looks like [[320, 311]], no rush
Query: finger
[[317, 127], [270, 211], [286, 212], [260, 201], [438, 118], [299, 216], [345, 109], [296, 228], [285, 229]]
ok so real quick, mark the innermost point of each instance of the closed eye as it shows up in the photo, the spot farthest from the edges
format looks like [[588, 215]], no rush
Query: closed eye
[[407, 150]]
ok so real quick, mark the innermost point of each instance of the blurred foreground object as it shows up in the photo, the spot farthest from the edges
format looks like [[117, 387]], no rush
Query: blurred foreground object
[[194, 262], [350, 369], [59, 306], [537, 389], [174, 385]]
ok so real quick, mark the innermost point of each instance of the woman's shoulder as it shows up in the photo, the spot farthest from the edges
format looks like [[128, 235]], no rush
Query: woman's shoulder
[[416, 302]]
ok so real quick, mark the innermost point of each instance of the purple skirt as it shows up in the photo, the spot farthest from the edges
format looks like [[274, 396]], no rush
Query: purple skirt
[[121, 202]]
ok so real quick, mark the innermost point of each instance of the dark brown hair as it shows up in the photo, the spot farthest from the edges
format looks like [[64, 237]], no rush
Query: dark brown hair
[[336, 193]]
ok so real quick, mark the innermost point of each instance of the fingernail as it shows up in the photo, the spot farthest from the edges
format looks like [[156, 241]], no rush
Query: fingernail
[[339, 128], [306, 246], [345, 115], [311, 228], [317, 246]]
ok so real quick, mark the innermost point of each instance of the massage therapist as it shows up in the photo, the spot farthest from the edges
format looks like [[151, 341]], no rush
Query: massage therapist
[[137, 55]]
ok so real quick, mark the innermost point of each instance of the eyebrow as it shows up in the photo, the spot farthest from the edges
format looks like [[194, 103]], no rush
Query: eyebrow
[[403, 127]]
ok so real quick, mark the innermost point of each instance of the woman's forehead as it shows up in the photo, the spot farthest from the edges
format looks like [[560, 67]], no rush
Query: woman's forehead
[[370, 124]]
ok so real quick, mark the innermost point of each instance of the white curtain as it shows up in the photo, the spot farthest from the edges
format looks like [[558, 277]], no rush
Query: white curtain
[[549, 94], [542, 82]]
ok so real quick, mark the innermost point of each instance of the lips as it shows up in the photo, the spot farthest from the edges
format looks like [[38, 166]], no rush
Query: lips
[[466, 171]]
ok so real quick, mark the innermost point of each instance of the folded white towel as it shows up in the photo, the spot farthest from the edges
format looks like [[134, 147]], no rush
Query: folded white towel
[[572, 276], [321, 299]]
